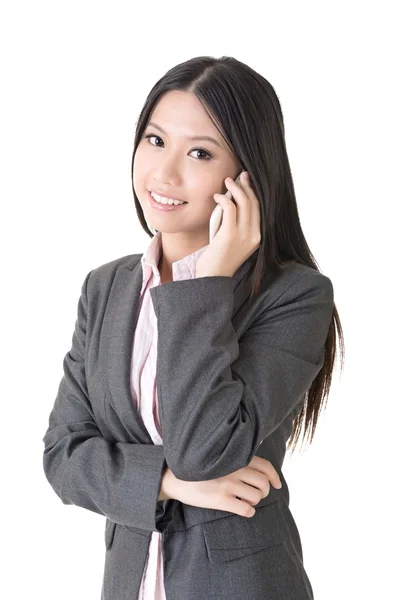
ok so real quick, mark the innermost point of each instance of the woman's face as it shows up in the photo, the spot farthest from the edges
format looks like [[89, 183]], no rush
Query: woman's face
[[168, 162]]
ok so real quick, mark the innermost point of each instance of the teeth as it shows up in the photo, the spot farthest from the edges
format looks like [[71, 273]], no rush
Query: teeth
[[163, 200]]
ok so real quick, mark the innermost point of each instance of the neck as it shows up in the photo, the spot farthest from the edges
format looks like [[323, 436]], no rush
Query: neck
[[176, 246]]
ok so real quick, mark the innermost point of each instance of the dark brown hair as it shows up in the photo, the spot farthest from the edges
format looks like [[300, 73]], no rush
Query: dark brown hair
[[244, 107]]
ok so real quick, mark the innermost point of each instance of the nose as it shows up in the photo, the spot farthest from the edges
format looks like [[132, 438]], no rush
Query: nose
[[167, 172]]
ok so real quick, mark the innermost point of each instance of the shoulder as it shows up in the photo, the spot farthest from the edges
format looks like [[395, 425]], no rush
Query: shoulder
[[101, 277], [295, 282], [304, 277]]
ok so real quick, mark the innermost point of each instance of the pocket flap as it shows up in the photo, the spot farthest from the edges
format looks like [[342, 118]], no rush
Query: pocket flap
[[232, 537]]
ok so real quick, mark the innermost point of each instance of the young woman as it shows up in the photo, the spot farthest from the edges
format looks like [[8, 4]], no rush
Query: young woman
[[193, 364]]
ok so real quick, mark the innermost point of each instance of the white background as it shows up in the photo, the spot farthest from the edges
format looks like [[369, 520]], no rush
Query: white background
[[74, 77]]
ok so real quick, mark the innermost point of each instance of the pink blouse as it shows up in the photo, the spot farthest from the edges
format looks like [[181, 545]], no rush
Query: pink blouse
[[143, 385]]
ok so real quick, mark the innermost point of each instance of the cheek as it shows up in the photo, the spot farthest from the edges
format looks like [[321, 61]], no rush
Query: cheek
[[202, 197], [138, 172]]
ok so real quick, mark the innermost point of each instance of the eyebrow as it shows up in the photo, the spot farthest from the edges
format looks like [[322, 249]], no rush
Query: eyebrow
[[189, 137]]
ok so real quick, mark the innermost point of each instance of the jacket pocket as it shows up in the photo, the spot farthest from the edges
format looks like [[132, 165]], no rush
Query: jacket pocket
[[233, 537], [109, 533]]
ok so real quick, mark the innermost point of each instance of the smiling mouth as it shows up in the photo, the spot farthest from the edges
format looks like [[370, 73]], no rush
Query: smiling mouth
[[180, 202], [163, 207]]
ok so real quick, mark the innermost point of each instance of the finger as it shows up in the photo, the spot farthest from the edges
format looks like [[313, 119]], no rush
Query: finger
[[237, 189], [265, 466], [243, 204], [250, 493], [229, 217], [255, 211], [248, 218], [240, 507], [247, 186], [273, 477]]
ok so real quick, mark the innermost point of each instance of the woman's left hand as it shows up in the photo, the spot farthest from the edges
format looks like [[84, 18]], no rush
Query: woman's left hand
[[239, 234]]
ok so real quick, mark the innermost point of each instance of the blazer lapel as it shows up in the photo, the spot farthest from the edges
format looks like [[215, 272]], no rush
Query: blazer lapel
[[118, 329], [122, 307]]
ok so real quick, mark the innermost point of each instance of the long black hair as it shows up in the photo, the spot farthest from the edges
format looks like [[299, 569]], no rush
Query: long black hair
[[245, 109]]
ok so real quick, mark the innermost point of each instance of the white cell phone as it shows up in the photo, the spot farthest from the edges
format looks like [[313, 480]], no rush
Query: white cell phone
[[216, 216]]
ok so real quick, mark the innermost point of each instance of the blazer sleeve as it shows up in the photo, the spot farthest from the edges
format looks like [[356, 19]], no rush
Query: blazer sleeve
[[220, 397], [118, 480]]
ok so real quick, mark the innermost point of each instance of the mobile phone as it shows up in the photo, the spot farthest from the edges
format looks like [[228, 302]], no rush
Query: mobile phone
[[216, 216]]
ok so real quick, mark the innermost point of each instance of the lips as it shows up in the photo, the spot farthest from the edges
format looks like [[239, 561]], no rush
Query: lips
[[164, 207], [164, 195]]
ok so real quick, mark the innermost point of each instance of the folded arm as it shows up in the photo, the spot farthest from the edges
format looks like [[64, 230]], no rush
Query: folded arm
[[220, 397], [118, 480]]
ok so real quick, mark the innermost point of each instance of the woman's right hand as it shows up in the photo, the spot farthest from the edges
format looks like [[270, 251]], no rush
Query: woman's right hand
[[237, 492]]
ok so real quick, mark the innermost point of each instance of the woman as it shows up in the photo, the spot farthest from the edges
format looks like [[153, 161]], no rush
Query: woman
[[193, 364]]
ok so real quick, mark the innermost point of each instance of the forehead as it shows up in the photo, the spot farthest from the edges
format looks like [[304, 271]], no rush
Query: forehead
[[181, 113]]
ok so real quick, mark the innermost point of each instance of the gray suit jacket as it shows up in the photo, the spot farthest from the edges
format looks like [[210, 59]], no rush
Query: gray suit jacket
[[231, 377]]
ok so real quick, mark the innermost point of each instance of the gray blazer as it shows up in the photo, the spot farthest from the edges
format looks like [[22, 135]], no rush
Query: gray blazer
[[231, 377]]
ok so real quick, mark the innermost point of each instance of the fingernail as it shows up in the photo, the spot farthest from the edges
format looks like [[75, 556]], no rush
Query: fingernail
[[246, 175]]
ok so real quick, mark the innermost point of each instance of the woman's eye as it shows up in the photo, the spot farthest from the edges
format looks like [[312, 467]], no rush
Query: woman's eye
[[152, 135], [208, 155]]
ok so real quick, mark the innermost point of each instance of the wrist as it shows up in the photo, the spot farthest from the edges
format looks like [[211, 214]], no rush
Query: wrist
[[168, 483]]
